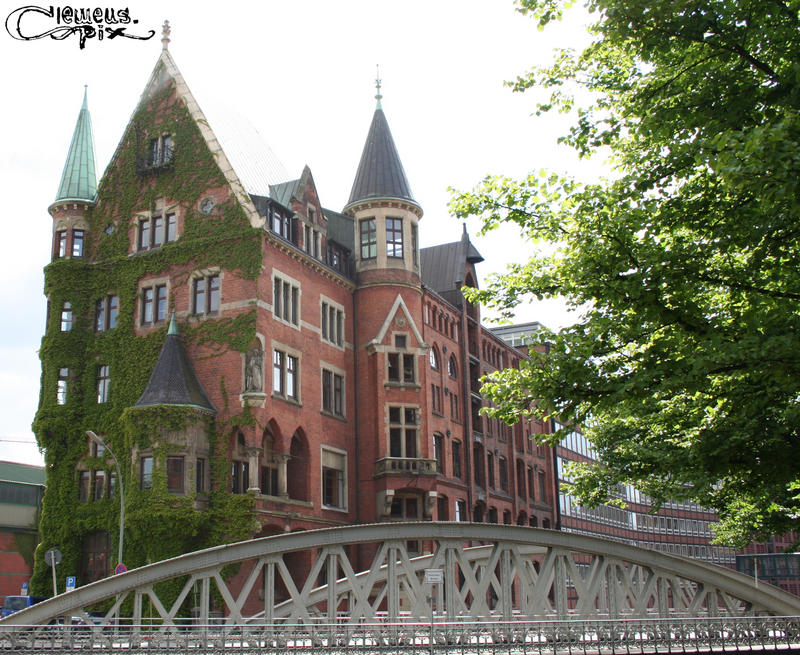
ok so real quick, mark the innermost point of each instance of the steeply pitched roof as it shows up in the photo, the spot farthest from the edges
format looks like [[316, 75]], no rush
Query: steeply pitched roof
[[173, 380], [248, 164], [380, 172], [79, 180], [442, 266]]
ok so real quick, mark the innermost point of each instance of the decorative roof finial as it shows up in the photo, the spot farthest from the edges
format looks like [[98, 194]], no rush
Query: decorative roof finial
[[165, 36], [378, 95]]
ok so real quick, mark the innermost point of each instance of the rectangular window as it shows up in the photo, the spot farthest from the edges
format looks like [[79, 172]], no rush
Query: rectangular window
[[158, 231], [403, 432], [436, 399], [175, 475], [84, 480], [278, 359], [269, 479], [285, 375], [154, 305], [530, 483], [414, 244], [61, 388], [61, 244], [286, 301], [438, 452], [77, 243], [454, 413], [206, 294], [394, 237], [240, 476], [368, 238], [461, 510], [172, 228], [542, 488], [66, 317], [98, 485], [332, 324], [490, 469], [103, 383], [144, 233], [200, 475], [503, 468], [161, 151], [146, 473], [456, 459], [155, 231], [100, 315], [147, 305], [161, 302], [334, 467], [332, 393]]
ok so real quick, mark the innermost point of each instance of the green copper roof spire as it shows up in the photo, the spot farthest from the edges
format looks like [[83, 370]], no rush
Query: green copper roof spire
[[173, 324], [78, 181]]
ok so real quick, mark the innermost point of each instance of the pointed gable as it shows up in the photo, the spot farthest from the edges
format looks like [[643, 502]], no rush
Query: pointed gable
[[79, 180], [248, 164], [173, 380], [380, 172], [398, 308]]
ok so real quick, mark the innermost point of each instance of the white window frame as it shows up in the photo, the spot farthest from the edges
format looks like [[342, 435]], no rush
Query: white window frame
[[342, 455]]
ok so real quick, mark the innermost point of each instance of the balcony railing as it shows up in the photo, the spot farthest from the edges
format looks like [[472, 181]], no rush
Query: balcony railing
[[405, 466]]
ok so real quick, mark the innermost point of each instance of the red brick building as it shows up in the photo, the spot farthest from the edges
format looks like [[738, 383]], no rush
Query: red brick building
[[322, 362]]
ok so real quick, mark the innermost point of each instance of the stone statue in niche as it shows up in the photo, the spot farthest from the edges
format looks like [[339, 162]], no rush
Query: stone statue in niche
[[254, 370]]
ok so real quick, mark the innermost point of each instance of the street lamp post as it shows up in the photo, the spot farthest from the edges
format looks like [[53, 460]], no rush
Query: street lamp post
[[99, 441]]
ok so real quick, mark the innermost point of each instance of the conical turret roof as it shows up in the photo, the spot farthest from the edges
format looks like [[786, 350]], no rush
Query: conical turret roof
[[79, 181], [173, 380], [380, 173]]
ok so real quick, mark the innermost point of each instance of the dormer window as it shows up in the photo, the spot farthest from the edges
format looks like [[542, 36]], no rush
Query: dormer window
[[161, 151]]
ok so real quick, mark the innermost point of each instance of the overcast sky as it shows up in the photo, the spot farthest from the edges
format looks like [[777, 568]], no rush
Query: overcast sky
[[303, 74]]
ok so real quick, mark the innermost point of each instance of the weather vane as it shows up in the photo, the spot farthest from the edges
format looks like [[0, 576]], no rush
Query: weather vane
[[378, 95]]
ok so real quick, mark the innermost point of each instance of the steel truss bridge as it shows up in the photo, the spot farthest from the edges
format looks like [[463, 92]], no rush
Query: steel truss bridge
[[489, 588]]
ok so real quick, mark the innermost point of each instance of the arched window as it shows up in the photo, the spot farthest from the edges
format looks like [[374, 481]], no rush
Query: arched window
[[452, 367], [298, 467], [433, 355]]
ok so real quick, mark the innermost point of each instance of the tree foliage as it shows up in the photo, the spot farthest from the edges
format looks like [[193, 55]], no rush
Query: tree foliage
[[685, 365]]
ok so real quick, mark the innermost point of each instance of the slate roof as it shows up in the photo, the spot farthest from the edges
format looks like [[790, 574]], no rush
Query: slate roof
[[444, 265], [380, 172], [341, 229], [173, 380], [78, 179]]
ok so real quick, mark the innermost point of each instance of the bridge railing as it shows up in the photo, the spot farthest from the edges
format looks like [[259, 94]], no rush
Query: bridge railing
[[479, 637]]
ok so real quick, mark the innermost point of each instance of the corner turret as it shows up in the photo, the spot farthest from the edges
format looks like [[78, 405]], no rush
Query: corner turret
[[385, 212], [76, 192]]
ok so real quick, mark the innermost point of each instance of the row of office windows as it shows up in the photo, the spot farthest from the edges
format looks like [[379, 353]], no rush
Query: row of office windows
[[642, 522]]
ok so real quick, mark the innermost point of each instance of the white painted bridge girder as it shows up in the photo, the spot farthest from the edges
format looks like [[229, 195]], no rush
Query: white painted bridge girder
[[491, 572]]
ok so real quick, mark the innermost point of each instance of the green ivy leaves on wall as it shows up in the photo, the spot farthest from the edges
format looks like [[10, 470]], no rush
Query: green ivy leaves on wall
[[158, 524]]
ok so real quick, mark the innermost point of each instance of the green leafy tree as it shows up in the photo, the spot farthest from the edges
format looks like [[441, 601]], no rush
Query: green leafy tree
[[684, 367]]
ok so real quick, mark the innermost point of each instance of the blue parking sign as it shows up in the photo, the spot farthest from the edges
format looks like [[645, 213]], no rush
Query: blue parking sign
[[70, 583]]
